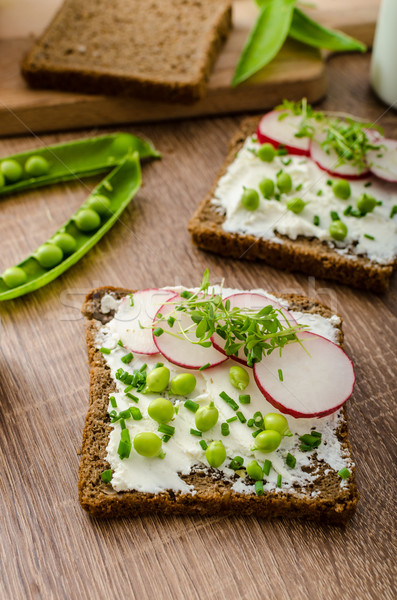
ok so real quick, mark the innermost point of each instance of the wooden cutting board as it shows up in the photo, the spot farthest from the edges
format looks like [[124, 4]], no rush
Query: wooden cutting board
[[297, 71]]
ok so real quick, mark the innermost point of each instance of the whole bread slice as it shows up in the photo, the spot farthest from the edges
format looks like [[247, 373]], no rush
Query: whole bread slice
[[308, 255], [331, 503], [158, 50]]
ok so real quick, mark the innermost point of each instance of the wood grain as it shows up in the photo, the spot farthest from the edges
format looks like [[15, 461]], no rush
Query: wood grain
[[49, 548], [297, 71]]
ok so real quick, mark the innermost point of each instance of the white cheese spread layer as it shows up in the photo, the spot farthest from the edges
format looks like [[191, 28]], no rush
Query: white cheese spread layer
[[272, 216]]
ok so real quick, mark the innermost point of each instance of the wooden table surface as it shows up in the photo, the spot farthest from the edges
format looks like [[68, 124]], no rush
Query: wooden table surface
[[49, 547]]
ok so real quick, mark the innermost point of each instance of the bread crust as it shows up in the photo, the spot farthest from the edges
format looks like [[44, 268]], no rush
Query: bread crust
[[308, 255], [214, 495]]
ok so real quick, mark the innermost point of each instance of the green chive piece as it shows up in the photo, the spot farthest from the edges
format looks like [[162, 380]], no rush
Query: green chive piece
[[259, 487], [299, 187], [258, 419], [244, 398], [231, 419], [105, 350], [120, 343], [305, 448], [267, 466], [316, 220], [257, 432], [334, 215], [127, 358], [236, 463], [190, 405], [368, 236], [204, 367], [122, 423], [320, 193], [344, 473], [135, 413], [225, 429], [393, 211], [348, 210], [279, 480], [316, 434], [368, 184], [280, 375], [167, 429], [195, 432], [125, 445], [143, 368], [113, 401], [106, 476], [241, 417], [166, 438], [125, 414], [310, 440], [157, 365], [329, 181], [158, 331], [250, 423], [131, 300], [132, 397], [186, 294], [290, 460], [171, 321], [229, 400], [203, 444]]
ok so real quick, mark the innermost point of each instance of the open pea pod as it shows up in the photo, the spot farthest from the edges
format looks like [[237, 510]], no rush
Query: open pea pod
[[75, 159], [83, 230]]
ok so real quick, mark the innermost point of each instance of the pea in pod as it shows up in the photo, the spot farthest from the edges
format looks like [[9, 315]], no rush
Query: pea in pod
[[86, 227], [75, 159]]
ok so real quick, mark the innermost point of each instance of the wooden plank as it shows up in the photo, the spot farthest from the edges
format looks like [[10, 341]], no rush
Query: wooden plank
[[297, 71]]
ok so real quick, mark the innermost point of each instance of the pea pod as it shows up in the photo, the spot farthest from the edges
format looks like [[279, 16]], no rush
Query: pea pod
[[76, 159], [119, 187]]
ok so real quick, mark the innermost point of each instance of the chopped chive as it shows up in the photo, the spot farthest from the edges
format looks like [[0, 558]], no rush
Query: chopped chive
[[171, 321], [316, 220], [258, 419], [257, 432], [131, 300], [344, 473], [113, 401], [241, 417], [195, 432], [320, 193], [225, 429], [106, 476], [290, 460], [299, 187], [334, 215], [112, 413], [186, 294], [135, 413], [157, 365], [393, 211], [329, 181], [132, 397], [348, 210], [229, 400], [128, 389], [236, 463], [250, 423], [305, 448], [281, 151], [244, 398], [279, 480], [166, 438], [120, 343], [259, 487], [122, 423], [125, 414], [127, 358], [277, 196], [231, 419], [280, 375], [310, 440], [190, 405], [168, 429], [267, 466], [105, 350], [368, 236], [203, 444], [368, 184], [287, 162], [125, 445], [158, 331], [204, 367], [143, 368], [316, 434]]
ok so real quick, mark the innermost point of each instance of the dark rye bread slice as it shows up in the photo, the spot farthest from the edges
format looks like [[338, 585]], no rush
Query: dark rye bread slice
[[308, 255], [155, 49], [333, 504]]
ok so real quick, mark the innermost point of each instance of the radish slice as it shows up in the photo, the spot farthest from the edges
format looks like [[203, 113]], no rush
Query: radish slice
[[255, 302], [312, 386], [146, 305], [282, 132], [180, 351], [383, 162], [329, 161]]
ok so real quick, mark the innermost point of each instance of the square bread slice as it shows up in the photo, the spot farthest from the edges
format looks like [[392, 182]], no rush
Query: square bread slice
[[308, 255], [158, 50], [325, 498]]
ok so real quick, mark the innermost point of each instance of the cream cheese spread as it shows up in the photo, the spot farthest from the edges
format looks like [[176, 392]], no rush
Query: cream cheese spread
[[272, 216], [183, 452]]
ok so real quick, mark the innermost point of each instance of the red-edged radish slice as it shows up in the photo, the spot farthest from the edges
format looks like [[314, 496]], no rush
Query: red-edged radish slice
[[383, 162], [254, 302], [328, 161], [180, 351], [282, 132], [313, 385], [146, 304]]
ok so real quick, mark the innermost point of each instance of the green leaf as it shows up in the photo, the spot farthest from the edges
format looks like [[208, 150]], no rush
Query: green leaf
[[206, 281], [201, 328], [309, 32], [266, 38]]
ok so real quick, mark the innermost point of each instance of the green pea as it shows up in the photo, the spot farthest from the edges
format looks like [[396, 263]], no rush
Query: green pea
[[266, 152], [366, 203], [284, 183], [276, 422], [215, 454], [239, 377], [49, 255], [161, 410], [2, 180], [36, 166], [267, 441], [87, 220], [266, 187], [206, 417], [11, 170], [341, 189], [99, 204], [14, 276], [158, 378], [148, 444], [254, 470], [66, 242], [338, 230], [250, 199], [183, 384], [296, 205]]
